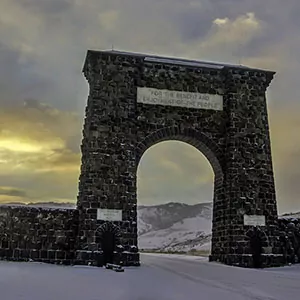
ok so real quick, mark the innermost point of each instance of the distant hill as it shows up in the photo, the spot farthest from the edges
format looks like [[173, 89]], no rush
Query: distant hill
[[291, 215], [43, 204], [175, 226]]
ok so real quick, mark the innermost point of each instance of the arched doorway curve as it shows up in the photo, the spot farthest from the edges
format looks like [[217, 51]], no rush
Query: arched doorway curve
[[200, 141], [214, 155], [109, 235]]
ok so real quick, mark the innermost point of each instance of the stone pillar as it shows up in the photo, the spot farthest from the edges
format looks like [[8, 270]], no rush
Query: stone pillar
[[249, 180], [108, 171]]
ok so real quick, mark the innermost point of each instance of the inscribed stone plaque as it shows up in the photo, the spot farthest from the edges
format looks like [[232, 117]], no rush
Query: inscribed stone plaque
[[182, 99], [254, 220], [109, 214]]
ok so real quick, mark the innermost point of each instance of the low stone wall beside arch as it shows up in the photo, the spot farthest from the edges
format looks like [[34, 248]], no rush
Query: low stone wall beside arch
[[39, 234], [50, 235], [289, 235]]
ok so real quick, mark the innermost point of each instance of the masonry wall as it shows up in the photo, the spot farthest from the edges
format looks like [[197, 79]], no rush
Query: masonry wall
[[249, 184], [289, 236], [40, 234], [236, 141], [118, 130]]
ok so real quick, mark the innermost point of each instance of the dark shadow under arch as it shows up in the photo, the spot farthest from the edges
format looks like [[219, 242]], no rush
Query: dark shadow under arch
[[109, 235]]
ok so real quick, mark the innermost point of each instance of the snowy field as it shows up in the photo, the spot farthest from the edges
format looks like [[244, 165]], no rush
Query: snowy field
[[161, 277]]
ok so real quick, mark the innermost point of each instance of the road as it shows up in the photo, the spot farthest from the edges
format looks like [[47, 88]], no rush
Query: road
[[160, 277], [211, 280]]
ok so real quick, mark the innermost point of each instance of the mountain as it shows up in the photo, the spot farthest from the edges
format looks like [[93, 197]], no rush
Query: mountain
[[175, 227], [42, 204], [294, 215]]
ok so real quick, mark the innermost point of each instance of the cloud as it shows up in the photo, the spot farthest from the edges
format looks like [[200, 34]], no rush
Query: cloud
[[12, 194], [43, 46], [49, 39], [239, 31], [285, 142], [37, 146], [109, 20], [10, 191]]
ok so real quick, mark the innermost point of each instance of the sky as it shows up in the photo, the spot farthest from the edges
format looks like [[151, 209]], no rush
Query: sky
[[43, 93]]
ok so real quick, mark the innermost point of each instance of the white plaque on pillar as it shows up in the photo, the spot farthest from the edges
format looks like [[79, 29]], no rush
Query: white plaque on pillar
[[109, 214], [254, 220], [177, 98]]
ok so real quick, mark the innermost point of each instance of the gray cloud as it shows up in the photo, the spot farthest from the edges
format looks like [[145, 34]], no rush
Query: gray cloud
[[37, 188], [47, 7], [51, 44], [16, 76], [4, 191], [43, 46]]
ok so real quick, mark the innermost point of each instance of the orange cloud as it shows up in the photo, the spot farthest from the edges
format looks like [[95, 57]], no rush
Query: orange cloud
[[34, 141]]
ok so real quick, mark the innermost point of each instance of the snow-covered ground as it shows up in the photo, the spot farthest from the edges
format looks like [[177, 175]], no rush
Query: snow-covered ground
[[175, 256], [163, 277]]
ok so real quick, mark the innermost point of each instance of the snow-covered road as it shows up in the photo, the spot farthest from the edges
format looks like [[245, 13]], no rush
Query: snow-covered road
[[160, 277]]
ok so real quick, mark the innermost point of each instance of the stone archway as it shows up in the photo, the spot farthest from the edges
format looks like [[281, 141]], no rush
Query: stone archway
[[137, 100], [191, 136], [213, 154]]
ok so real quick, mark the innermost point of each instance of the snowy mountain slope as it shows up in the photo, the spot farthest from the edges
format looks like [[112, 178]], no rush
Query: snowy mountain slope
[[175, 227], [165, 215], [295, 215]]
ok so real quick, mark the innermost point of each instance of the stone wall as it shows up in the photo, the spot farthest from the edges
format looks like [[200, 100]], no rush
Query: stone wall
[[40, 234], [50, 235], [290, 239]]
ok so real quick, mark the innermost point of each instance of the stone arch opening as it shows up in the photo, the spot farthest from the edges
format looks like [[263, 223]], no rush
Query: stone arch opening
[[108, 235], [205, 146], [192, 137]]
